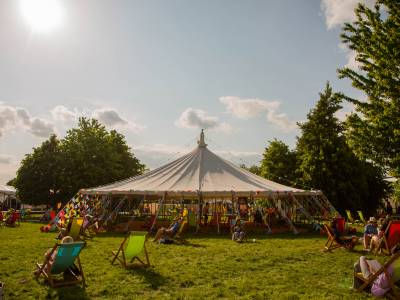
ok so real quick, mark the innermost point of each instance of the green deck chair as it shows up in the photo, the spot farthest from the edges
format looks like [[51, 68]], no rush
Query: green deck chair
[[362, 219], [350, 218], [75, 229], [131, 247], [63, 261]]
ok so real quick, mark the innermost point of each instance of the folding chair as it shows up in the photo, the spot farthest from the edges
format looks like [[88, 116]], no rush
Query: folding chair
[[362, 219], [391, 237], [350, 218], [331, 243], [132, 246], [183, 225], [64, 264], [76, 227], [369, 281]]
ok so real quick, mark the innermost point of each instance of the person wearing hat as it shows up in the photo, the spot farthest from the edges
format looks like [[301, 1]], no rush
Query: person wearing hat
[[370, 230]]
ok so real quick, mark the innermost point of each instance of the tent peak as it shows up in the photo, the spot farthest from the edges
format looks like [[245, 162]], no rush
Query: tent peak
[[201, 141]]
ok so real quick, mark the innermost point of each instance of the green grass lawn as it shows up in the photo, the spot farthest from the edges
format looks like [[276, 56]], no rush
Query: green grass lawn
[[280, 266]]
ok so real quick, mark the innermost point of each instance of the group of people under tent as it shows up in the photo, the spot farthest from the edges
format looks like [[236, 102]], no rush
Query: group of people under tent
[[373, 234]]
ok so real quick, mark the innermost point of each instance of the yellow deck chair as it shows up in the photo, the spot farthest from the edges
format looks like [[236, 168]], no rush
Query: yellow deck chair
[[130, 249], [362, 219], [75, 229]]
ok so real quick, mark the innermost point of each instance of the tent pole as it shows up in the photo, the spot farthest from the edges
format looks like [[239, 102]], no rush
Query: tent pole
[[161, 202], [216, 214], [200, 199], [284, 216]]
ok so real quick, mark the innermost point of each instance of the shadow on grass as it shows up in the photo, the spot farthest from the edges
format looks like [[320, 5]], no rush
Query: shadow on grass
[[150, 276], [66, 293]]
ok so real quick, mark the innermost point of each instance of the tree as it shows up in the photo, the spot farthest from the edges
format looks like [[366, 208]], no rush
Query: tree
[[326, 162], [95, 156], [374, 130], [279, 163], [252, 169], [41, 172], [88, 156]]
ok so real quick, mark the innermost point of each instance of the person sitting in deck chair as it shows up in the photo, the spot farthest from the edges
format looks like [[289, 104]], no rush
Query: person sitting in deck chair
[[370, 230], [346, 241], [376, 239], [367, 268], [66, 240], [238, 233], [170, 231]]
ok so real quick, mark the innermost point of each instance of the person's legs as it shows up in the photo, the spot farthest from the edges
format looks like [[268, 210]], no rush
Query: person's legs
[[366, 241], [159, 234], [241, 236], [374, 242], [364, 267]]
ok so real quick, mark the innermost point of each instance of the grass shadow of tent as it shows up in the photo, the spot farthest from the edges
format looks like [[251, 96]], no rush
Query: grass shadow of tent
[[150, 276]]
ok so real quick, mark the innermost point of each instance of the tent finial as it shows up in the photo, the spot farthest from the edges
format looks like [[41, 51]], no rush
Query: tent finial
[[201, 141]]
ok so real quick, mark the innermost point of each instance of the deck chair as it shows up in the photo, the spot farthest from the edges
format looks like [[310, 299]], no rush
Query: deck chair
[[178, 234], [350, 218], [391, 237], [331, 243], [132, 246], [367, 282], [76, 227], [362, 219], [64, 264]]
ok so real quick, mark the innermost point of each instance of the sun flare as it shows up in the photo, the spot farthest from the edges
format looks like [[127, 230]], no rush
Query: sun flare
[[42, 15]]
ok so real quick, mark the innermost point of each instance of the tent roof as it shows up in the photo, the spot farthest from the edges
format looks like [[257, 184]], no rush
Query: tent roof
[[6, 189], [198, 171]]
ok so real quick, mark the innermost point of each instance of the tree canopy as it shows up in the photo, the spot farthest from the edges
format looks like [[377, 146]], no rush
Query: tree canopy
[[89, 155], [326, 162], [373, 131], [279, 163]]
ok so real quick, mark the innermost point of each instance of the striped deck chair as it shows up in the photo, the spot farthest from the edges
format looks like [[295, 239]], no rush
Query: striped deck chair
[[331, 243], [131, 247], [64, 261]]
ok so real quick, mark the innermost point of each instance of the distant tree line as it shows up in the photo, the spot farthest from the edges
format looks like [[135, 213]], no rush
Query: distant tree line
[[87, 156]]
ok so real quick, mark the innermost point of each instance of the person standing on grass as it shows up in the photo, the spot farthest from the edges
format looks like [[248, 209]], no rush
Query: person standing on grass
[[370, 230]]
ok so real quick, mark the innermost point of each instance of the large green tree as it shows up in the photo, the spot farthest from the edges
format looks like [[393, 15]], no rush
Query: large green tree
[[326, 162], [89, 155], [373, 131], [40, 177], [279, 163]]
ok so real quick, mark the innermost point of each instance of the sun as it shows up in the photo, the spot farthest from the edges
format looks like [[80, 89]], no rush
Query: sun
[[42, 15]]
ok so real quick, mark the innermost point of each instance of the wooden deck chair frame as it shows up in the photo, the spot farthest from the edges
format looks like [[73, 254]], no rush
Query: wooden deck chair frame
[[120, 253], [383, 243], [331, 243], [51, 278], [371, 279]]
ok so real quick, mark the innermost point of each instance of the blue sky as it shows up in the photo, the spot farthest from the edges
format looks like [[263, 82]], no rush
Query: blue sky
[[158, 71]]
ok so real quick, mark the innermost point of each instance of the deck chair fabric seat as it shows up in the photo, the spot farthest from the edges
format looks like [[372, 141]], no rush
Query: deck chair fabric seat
[[64, 261], [131, 247], [76, 227], [393, 293], [391, 237]]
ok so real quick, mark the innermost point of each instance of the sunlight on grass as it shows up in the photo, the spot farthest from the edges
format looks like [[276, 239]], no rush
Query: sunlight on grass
[[275, 267]]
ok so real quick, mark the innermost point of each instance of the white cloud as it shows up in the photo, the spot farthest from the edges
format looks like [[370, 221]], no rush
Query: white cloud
[[250, 108], [6, 159], [197, 118], [337, 12], [12, 118], [107, 116]]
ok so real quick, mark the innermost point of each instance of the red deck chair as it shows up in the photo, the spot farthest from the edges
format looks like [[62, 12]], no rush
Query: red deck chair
[[391, 236]]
